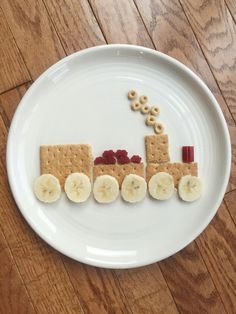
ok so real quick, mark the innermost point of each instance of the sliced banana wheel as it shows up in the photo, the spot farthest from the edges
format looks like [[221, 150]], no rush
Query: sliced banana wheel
[[190, 188], [133, 188], [77, 187], [47, 188], [161, 186], [105, 189]]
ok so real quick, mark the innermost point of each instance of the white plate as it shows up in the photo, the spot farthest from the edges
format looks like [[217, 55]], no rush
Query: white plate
[[82, 99]]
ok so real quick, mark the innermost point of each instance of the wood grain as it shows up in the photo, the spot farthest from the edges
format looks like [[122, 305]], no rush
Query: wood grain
[[230, 200], [13, 294], [100, 292], [34, 34], [126, 26], [232, 8], [13, 71], [190, 283], [40, 267], [9, 102], [75, 24], [216, 33], [217, 245], [146, 290], [167, 17]]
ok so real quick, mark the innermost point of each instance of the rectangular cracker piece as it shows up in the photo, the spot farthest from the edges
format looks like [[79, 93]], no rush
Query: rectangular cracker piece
[[176, 169], [61, 160], [157, 148], [118, 171]]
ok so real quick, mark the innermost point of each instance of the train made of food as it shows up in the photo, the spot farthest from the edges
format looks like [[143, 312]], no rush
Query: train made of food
[[73, 169]]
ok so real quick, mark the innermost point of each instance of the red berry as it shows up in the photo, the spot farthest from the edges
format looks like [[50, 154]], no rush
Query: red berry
[[123, 160], [188, 153], [110, 160], [99, 161], [121, 153], [108, 153], [136, 159]]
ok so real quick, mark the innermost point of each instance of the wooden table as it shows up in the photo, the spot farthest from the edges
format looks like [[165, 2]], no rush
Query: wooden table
[[35, 278]]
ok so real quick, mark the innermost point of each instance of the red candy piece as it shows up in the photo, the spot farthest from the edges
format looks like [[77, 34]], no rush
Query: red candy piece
[[99, 161], [188, 154], [110, 160], [108, 153], [123, 160], [121, 153], [136, 159]]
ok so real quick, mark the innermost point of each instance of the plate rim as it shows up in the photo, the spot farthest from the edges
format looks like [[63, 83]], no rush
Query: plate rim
[[172, 61]]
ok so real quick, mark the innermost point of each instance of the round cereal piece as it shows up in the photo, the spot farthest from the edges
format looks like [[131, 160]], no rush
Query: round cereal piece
[[150, 120], [136, 106], [158, 128], [145, 109], [155, 111], [132, 94], [143, 99]]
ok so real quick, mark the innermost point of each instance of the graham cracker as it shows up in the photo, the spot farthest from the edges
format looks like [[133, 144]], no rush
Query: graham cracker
[[118, 171], [62, 160], [157, 148], [176, 169]]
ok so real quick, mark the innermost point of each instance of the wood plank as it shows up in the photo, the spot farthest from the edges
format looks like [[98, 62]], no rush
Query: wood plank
[[41, 267], [126, 25], [216, 32], [230, 200], [190, 282], [13, 71], [98, 289], [218, 248], [13, 294], [232, 8], [75, 24], [34, 34], [162, 18], [10, 100], [146, 290]]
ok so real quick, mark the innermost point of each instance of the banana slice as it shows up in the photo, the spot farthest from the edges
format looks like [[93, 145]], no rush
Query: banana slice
[[105, 189], [47, 188], [161, 186], [77, 187], [133, 188], [190, 188]]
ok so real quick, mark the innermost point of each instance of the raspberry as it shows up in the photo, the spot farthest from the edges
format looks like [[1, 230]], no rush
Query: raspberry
[[110, 160], [121, 153], [136, 159], [123, 160], [99, 161], [108, 153], [188, 153]]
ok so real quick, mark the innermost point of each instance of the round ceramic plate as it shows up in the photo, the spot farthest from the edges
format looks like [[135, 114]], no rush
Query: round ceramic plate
[[83, 99]]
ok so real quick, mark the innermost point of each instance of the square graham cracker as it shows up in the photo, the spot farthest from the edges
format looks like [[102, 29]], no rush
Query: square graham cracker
[[62, 160], [118, 171], [157, 148], [176, 169]]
